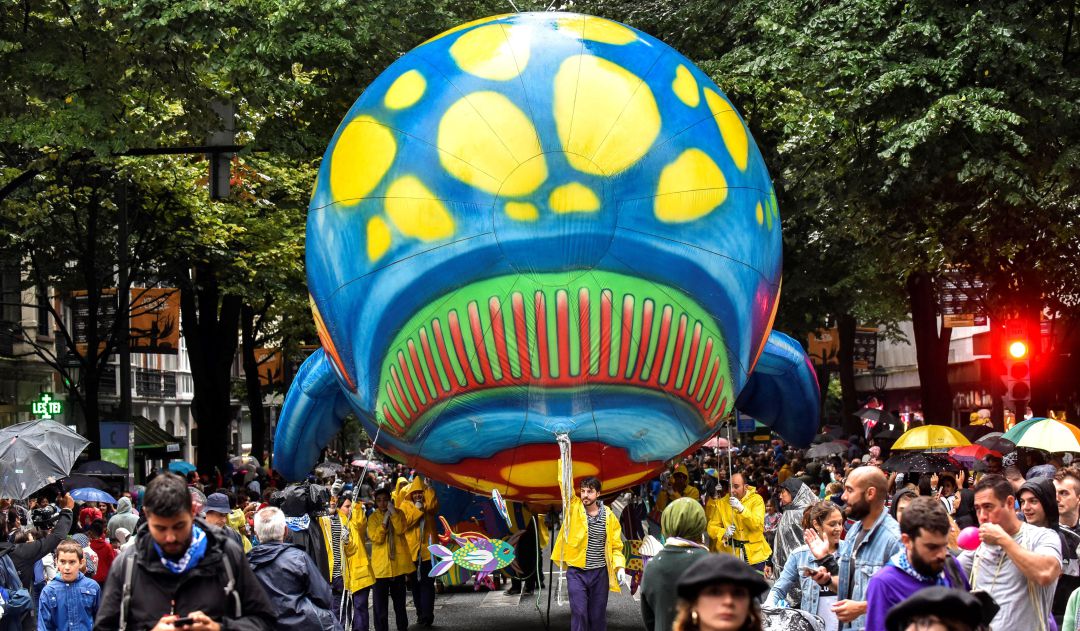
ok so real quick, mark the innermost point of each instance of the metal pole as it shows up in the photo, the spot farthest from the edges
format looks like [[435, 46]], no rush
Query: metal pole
[[123, 296]]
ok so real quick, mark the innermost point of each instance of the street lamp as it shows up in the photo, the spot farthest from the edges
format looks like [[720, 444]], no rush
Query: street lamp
[[881, 379]]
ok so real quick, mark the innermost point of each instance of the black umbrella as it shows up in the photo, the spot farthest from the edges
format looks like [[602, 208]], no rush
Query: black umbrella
[[35, 454], [918, 462], [876, 415], [100, 467], [820, 452], [975, 432], [83, 481], [995, 442], [328, 469], [887, 431]]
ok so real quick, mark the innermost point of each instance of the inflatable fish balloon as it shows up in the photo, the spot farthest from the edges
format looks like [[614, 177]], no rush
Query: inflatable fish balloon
[[538, 224]]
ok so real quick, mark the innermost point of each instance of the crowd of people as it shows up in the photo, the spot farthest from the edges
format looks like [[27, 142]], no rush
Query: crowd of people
[[728, 541]]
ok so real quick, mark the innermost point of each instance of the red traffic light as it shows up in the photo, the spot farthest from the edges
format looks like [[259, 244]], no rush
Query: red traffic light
[[1018, 349]]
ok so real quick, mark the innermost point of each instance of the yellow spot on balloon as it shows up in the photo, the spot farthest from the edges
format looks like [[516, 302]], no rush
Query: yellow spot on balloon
[[541, 473], [416, 212], [686, 87], [690, 188], [573, 198], [467, 25], [625, 480], [731, 128], [378, 238], [760, 214], [597, 29], [605, 115], [522, 211], [483, 137], [483, 485], [362, 156], [405, 91], [497, 51]]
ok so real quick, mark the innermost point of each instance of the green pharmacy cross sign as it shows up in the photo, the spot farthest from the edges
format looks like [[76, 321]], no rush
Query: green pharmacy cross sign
[[46, 406]]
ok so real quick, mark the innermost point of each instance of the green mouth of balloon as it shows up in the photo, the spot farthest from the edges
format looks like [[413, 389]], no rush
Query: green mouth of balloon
[[540, 331]]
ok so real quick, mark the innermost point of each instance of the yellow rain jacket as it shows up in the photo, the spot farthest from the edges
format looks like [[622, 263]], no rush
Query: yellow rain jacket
[[576, 528], [358, 573], [667, 496], [382, 565], [750, 527], [719, 515], [399, 486], [421, 526], [238, 522], [327, 530]]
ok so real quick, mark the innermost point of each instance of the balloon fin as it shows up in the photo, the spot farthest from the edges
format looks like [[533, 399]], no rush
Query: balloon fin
[[782, 391], [313, 413]]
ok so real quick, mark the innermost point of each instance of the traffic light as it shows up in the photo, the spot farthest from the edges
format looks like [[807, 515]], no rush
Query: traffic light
[[1017, 373]]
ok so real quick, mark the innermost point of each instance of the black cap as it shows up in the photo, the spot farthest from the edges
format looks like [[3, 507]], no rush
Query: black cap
[[714, 569], [945, 603]]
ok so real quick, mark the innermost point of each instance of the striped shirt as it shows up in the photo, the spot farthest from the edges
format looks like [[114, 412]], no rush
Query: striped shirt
[[594, 553], [335, 543]]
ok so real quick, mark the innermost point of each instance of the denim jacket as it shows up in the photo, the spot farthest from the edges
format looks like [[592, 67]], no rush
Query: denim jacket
[[874, 552], [778, 595]]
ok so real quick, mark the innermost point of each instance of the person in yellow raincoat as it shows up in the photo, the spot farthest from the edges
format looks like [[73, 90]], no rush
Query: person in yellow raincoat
[[719, 515], [390, 561], [418, 503], [332, 526], [590, 549], [678, 486], [358, 574], [747, 529]]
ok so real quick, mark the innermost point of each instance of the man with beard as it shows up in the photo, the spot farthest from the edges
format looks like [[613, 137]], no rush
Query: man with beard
[[924, 562], [1040, 508], [870, 543]]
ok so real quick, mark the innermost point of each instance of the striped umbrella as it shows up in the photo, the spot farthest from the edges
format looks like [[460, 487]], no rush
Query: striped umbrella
[[1046, 434]]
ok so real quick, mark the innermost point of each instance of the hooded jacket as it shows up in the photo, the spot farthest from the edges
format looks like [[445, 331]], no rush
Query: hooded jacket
[[719, 516], [300, 596], [420, 524], [201, 588], [299, 501], [389, 549], [358, 574], [1069, 581], [750, 527], [125, 517], [789, 534]]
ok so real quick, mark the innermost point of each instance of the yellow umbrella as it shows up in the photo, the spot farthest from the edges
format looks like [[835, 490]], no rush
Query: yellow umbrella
[[931, 437]]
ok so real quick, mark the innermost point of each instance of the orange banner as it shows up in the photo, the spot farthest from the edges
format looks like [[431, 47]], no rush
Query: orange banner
[[155, 320]]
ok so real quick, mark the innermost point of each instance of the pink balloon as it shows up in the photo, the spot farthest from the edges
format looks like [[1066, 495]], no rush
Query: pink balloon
[[968, 538]]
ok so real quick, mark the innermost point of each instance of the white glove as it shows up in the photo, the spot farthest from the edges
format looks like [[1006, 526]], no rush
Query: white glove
[[344, 535], [419, 504], [730, 532], [736, 505], [620, 576]]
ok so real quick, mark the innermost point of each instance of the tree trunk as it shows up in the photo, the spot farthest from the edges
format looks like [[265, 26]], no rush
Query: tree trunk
[[251, 378], [845, 326], [211, 330], [931, 350], [91, 412]]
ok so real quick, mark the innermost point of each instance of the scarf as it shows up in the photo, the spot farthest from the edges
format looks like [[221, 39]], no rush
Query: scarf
[[900, 561], [191, 558], [297, 524], [679, 542]]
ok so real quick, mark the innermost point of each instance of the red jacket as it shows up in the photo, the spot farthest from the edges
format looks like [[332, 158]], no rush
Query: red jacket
[[106, 554]]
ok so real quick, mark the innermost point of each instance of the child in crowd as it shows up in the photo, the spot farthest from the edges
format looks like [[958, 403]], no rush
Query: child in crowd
[[71, 602]]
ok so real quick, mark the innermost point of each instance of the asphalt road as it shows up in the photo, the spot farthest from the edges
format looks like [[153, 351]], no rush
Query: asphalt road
[[465, 609]]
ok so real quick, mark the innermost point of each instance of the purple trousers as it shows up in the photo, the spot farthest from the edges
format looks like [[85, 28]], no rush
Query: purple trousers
[[588, 590], [360, 610]]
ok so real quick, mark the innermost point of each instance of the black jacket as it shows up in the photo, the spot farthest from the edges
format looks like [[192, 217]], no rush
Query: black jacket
[[298, 592], [201, 588], [25, 555]]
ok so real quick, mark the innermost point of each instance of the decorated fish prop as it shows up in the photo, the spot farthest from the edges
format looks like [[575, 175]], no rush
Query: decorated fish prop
[[482, 556]]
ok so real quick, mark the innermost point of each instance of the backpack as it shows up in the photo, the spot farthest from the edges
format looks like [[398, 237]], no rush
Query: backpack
[[231, 595], [17, 600]]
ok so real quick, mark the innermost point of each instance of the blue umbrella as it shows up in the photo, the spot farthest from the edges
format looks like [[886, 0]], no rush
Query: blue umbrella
[[92, 495], [182, 467]]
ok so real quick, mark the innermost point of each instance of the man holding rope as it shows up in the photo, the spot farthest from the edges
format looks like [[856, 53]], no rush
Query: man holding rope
[[747, 530]]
